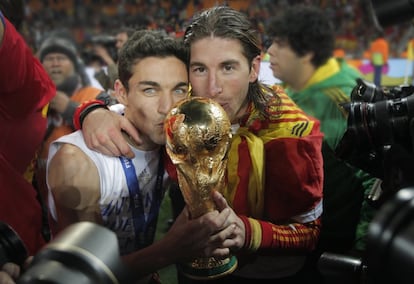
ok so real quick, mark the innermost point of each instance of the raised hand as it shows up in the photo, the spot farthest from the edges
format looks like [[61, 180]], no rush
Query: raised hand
[[102, 132]]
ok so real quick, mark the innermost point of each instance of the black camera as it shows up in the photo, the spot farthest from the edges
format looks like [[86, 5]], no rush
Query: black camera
[[106, 41], [379, 139], [84, 253], [389, 257], [12, 249], [378, 119]]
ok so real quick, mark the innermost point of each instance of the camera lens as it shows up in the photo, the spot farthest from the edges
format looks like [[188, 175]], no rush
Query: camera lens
[[12, 248], [84, 253], [390, 240]]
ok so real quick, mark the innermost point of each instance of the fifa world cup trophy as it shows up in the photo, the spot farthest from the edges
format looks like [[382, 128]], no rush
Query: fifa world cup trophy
[[198, 133]]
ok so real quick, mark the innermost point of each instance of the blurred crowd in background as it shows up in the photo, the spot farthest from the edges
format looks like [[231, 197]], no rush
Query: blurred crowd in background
[[91, 18]]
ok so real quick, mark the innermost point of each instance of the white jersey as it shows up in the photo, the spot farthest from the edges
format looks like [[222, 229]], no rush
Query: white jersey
[[114, 193]]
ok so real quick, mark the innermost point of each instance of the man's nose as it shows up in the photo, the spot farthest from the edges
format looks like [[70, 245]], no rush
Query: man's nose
[[214, 86], [165, 103]]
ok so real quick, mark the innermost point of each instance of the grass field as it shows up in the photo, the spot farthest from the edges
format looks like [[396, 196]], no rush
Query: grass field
[[387, 81], [168, 275]]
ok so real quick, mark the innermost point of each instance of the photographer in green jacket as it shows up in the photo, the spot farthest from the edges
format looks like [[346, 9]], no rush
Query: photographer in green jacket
[[301, 56]]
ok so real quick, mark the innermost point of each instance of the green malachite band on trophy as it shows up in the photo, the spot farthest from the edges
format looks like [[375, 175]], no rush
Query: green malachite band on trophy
[[212, 271]]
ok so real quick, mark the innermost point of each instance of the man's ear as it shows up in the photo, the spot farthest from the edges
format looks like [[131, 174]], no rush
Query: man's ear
[[254, 70], [307, 58], [121, 93]]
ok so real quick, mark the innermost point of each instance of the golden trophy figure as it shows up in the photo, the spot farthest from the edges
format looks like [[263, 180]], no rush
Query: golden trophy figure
[[198, 133]]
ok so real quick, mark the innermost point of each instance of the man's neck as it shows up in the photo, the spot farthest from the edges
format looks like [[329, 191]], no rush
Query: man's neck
[[303, 78], [145, 146]]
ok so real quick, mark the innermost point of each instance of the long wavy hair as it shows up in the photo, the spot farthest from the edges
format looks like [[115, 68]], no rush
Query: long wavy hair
[[225, 22]]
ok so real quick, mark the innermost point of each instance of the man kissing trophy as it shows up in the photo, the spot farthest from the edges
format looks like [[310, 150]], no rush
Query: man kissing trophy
[[198, 133]]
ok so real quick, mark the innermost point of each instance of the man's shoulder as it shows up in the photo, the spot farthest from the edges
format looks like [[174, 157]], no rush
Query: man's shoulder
[[340, 84], [75, 144], [71, 149], [68, 162], [70, 153]]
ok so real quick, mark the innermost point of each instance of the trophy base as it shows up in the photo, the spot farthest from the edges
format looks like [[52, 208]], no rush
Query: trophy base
[[208, 268]]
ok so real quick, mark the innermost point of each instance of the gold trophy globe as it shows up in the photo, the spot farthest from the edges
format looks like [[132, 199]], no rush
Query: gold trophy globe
[[198, 133]]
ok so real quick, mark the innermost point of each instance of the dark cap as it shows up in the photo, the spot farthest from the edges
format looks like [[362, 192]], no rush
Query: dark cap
[[60, 45]]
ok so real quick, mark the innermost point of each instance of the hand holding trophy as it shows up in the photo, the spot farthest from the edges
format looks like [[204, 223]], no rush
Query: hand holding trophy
[[198, 133]]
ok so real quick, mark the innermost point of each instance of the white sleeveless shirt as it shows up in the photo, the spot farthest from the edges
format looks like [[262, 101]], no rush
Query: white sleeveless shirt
[[114, 194]]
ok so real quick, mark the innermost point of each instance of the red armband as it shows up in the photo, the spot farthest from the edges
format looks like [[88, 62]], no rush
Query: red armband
[[265, 235], [83, 109]]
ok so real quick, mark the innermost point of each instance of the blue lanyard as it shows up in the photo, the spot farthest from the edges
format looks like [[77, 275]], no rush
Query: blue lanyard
[[144, 229]]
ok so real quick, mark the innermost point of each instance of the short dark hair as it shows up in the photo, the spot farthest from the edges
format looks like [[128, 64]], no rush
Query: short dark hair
[[306, 29], [146, 43]]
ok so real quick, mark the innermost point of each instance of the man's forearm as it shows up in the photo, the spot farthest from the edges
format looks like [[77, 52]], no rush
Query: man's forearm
[[148, 260]]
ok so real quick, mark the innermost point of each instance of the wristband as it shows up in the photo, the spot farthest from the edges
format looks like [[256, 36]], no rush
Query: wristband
[[247, 231], [253, 233], [84, 109]]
